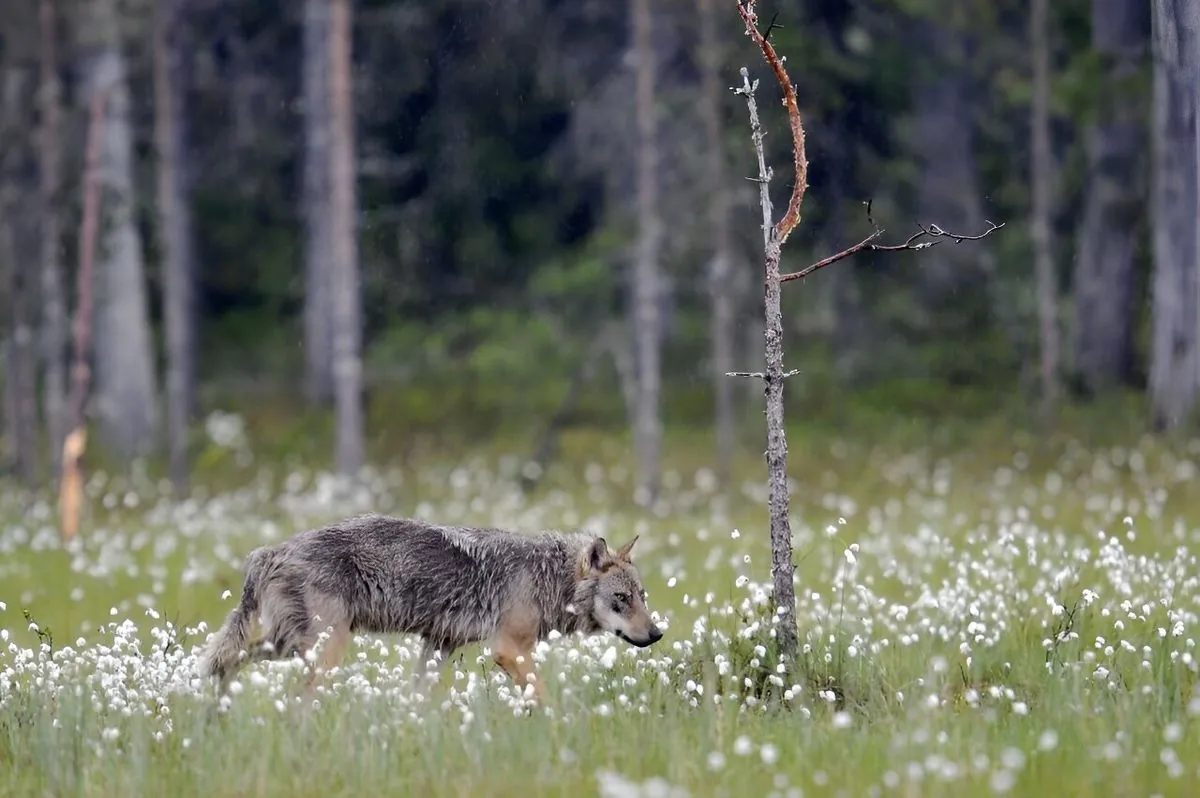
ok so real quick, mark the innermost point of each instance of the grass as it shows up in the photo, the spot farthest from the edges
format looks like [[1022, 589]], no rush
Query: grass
[[979, 610]]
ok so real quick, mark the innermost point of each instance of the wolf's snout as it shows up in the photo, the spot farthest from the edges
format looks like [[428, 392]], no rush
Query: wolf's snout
[[655, 635]]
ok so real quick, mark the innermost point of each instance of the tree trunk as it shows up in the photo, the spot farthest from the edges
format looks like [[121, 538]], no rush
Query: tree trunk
[[957, 281], [646, 324], [70, 499], [347, 357], [1103, 334], [1042, 180], [175, 225], [21, 365], [54, 317], [1175, 356], [783, 568], [317, 211], [724, 299], [126, 387]]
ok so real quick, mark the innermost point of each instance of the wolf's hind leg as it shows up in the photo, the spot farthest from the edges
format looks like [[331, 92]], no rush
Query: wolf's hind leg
[[331, 653]]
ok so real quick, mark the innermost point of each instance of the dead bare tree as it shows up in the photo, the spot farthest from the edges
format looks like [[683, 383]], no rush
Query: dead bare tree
[[773, 375]]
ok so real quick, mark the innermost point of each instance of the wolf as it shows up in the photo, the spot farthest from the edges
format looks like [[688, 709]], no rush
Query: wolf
[[450, 585]]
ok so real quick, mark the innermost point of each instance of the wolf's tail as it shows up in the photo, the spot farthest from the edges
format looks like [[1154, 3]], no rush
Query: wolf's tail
[[227, 645]]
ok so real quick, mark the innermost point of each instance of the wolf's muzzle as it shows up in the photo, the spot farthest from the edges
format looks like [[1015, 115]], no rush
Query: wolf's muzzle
[[652, 637]]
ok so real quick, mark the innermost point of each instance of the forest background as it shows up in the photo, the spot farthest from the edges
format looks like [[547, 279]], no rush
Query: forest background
[[372, 227]]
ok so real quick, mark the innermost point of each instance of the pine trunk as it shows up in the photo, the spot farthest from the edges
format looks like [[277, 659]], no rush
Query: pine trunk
[[54, 315], [1175, 356], [317, 211], [1104, 277], [1042, 180], [21, 367], [175, 220], [721, 284]]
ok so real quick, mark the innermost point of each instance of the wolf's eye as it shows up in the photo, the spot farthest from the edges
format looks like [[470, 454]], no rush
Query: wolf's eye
[[620, 598]]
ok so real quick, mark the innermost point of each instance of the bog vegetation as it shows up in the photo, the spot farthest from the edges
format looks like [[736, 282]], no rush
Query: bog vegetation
[[1020, 622]]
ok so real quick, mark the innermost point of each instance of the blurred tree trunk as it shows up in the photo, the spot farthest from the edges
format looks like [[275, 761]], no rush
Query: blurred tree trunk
[[317, 211], [721, 286], [126, 388], [346, 285], [954, 278], [175, 233], [1042, 181], [647, 326], [1104, 275], [54, 317], [1175, 356], [20, 377]]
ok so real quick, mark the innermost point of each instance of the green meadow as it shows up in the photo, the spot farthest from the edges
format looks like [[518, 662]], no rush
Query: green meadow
[[981, 609]]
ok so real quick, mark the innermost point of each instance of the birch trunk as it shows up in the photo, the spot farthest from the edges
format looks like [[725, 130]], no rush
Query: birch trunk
[[126, 388], [646, 324]]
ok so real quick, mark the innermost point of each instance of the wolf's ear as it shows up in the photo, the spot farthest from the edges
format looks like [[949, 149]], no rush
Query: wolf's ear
[[597, 554], [623, 552]]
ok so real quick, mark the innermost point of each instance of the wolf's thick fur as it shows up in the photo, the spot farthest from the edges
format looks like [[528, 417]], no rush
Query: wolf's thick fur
[[451, 585]]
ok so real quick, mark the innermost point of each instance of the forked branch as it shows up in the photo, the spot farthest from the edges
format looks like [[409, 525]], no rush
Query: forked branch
[[784, 227], [913, 243]]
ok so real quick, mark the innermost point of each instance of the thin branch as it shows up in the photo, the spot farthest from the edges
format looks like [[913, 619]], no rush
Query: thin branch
[[792, 218], [758, 375], [913, 243]]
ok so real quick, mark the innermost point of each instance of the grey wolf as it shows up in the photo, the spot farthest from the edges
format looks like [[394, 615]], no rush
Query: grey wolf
[[450, 585]]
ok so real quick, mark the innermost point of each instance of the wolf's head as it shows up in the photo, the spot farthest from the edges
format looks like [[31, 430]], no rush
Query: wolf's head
[[610, 592]]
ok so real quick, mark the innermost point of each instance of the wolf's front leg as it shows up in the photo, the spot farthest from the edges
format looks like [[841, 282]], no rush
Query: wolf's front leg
[[514, 653]]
